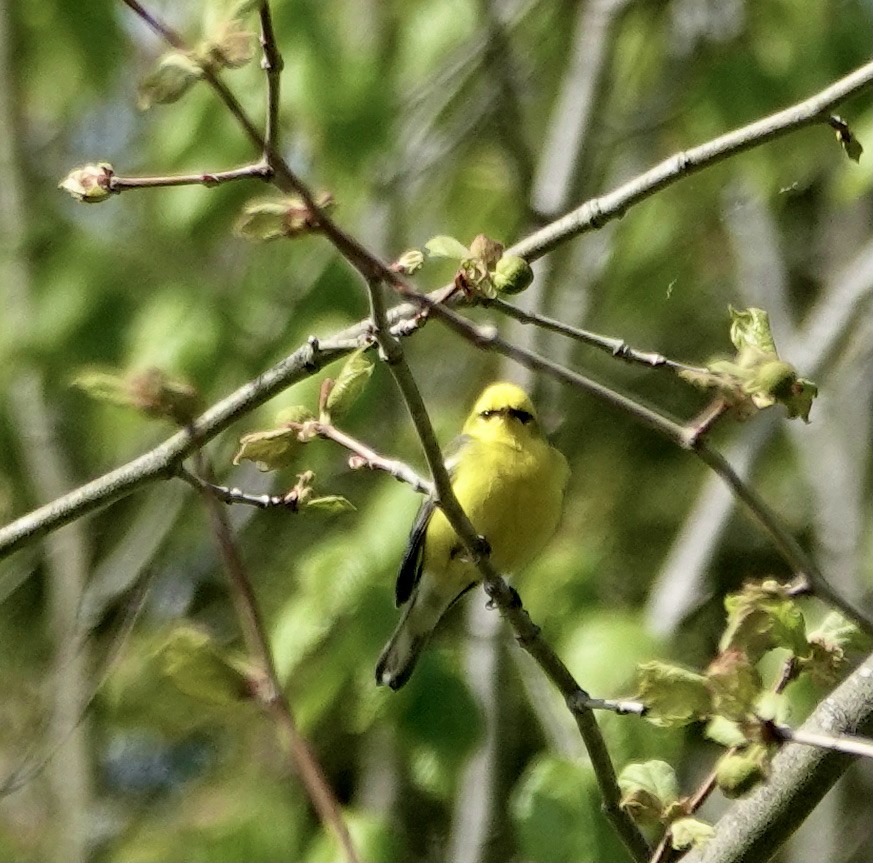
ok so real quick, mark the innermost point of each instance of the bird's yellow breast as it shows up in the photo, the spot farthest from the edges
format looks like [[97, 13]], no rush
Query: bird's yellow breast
[[512, 492]]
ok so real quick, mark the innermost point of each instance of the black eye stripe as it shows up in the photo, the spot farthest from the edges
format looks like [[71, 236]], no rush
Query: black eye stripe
[[524, 417]]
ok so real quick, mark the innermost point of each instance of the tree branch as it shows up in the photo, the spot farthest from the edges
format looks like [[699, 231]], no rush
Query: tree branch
[[754, 827], [269, 691]]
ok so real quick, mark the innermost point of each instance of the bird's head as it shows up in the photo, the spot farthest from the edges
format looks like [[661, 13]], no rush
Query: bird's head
[[502, 409]]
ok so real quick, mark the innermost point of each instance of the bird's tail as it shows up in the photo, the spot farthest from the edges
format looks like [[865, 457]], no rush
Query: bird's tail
[[400, 655]]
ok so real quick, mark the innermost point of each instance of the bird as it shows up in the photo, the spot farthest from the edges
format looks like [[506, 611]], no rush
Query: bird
[[510, 482]]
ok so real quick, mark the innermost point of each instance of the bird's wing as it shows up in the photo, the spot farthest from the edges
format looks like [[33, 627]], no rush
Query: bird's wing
[[410, 567]]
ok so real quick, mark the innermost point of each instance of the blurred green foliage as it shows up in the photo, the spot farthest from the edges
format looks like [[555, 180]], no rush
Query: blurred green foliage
[[393, 109]]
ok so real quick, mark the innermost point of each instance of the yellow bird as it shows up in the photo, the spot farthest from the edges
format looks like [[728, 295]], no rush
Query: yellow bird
[[511, 483]]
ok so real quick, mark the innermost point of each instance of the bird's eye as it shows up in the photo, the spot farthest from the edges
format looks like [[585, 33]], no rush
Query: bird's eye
[[486, 415], [524, 417]]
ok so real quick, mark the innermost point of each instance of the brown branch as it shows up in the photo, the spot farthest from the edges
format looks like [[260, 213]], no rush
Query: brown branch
[[259, 170], [269, 692]]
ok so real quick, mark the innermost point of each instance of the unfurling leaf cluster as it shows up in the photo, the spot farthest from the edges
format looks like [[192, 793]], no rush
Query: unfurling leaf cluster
[[757, 377], [278, 447], [650, 794], [227, 44], [731, 696], [277, 218], [152, 392], [483, 269]]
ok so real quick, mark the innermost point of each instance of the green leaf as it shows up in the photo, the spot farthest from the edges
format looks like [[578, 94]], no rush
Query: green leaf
[[673, 695], [350, 384], [830, 643], [103, 386], [266, 219], [269, 450], [648, 789], [737, 773], [725, 732], [200, 668], [411, 261], [151, 392], [750, 328], [690, 833], [294, 414], [735, 684], [447, 247], [760, 617], [330, 503], [175, 74]]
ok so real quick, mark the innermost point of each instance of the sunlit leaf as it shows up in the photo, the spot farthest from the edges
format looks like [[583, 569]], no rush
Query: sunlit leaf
[[763, 616], [648, 789], [176, 72], [672, 694], [734, 683], [446, 247], [750, 328], [269, 450], [737, 773], [350, 383], [690, 833]]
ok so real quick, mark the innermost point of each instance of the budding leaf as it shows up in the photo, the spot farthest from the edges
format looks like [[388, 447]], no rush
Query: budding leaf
[[512, 275], [486, 250], [90, 184], [734, 683], [673, 695], [737, 773], [830, 643], [230, 47], [274, 218], [409, 262], [350, 383], [690, 833], [200, 668], [447, 247], [760, 617], [294, 414], [725, 732], [269, 450], [331, 503], [648, 789], [175, 74], [750, 328], [151, 392]]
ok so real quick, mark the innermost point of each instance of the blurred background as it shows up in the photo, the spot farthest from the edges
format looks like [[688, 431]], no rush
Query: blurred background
[[421, 118]]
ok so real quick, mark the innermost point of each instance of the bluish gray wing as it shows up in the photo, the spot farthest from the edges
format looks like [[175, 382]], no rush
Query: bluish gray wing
[[413, 557], [410, 567]]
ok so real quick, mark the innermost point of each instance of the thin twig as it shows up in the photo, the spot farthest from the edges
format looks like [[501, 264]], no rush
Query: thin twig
[[802, 563], [844, 743], [597, 212], [269, 691], [272, 64], [615, 347], [259, 170]]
